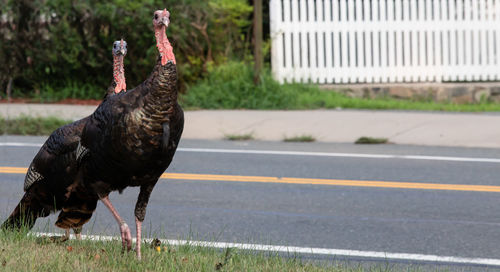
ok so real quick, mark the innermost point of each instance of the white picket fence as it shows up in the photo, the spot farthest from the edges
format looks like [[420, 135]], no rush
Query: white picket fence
[[385, 41]]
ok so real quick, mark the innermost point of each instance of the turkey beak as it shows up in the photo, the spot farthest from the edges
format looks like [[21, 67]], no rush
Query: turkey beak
[[122, 51], [165, 21], [166, 18]]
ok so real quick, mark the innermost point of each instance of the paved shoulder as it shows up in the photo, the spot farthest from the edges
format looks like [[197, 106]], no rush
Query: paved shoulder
[[344, 126]]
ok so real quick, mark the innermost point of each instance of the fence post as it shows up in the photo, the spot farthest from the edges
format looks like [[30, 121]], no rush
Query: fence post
[[276, 40]]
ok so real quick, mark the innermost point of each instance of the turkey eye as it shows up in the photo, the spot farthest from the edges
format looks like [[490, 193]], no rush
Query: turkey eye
[[156, 16], [114, 46]]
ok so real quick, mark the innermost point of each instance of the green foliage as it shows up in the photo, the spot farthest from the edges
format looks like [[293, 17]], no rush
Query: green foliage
[[70, 89], [300, 139], [30, 126], [63, 44], [230, 86], [239, 137], [22, 252], [371, 140]]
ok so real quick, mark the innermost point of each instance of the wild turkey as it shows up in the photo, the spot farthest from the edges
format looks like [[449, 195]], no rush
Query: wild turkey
[[118, 84], [54, 168], [130, 140]]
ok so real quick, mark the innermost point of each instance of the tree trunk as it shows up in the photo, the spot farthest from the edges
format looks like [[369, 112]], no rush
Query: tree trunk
[[9, 89], [257, 33]]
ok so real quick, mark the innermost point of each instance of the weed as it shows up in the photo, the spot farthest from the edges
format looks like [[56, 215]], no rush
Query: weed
[[239, 137], [300, 139], [370, 140]]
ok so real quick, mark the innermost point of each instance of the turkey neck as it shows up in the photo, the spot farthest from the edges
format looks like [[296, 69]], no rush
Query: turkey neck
[[161, 96], [119, 74]]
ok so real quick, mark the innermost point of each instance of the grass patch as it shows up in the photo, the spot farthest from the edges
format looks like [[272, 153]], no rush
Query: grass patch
[[239, 137], [230, 86], [300, 139], [370, 140], [70, 89], [25, 125], [28, 253]]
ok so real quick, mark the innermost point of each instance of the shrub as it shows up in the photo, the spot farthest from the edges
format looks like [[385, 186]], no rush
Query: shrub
[[230, 86], [62, 44]]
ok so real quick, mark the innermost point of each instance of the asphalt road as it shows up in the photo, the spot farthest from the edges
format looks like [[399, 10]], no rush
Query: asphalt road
[[418, 221]]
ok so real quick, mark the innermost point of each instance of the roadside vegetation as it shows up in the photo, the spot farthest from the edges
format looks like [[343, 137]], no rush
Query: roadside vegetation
[[29, 253], [58, 49], [239, 137], [25, 125], [300, 139], [230, 86], [213, 46], [371, 140]]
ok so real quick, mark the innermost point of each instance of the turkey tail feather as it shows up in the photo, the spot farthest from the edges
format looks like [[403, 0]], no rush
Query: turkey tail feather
[[28, 210]]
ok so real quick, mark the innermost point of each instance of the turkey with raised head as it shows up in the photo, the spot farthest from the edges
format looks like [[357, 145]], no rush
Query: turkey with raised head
[[131, 139], [53, 170]]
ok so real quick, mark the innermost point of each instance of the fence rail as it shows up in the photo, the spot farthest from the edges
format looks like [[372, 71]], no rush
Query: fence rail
[[385, 41]]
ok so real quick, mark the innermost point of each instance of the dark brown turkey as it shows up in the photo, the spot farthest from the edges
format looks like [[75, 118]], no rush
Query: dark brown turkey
[[130, 140], [53, 170]]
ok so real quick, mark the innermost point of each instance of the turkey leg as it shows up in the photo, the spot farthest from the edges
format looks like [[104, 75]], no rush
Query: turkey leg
[[77, 232], [124, 229], [140, 213]]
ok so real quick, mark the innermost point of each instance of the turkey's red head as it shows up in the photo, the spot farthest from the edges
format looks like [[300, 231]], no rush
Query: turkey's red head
[[161, 18], [161, 21]]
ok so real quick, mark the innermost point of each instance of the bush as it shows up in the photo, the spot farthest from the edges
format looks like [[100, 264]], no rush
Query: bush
[[54, 45], [230, 86]]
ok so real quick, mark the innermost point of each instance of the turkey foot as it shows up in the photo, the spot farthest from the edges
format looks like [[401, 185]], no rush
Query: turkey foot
[[126, 236], [77, 232], [58, 239], [124, 229]]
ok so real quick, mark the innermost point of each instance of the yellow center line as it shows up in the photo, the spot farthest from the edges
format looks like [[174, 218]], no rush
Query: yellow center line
[[330, 182]]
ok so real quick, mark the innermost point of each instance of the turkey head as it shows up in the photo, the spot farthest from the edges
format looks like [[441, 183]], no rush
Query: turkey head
[[161, 20]]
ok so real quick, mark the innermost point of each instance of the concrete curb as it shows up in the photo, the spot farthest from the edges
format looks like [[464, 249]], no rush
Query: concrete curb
[[345, 126]]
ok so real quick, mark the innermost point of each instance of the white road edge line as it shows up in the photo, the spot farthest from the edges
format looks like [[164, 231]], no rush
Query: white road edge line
[[310, 154], [21, 144], [309, 250]]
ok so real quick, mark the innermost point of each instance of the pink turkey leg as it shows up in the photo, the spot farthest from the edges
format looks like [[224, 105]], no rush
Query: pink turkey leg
[[124, 229]]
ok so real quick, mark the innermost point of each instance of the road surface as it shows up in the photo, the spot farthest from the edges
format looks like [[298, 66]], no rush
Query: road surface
[[391, 199]]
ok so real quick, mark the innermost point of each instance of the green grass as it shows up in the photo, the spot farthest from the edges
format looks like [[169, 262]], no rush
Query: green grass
[[230, 86], [239, 137], [29, 253], [300, 139], [370, 140], [25, 125]]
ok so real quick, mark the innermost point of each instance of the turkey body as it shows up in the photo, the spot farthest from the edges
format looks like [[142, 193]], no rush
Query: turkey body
[[130, 140], [49, 177]]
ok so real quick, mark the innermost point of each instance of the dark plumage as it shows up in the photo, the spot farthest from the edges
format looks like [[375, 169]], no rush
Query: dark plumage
[[49, 178], [131, 139], [50, 173]]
